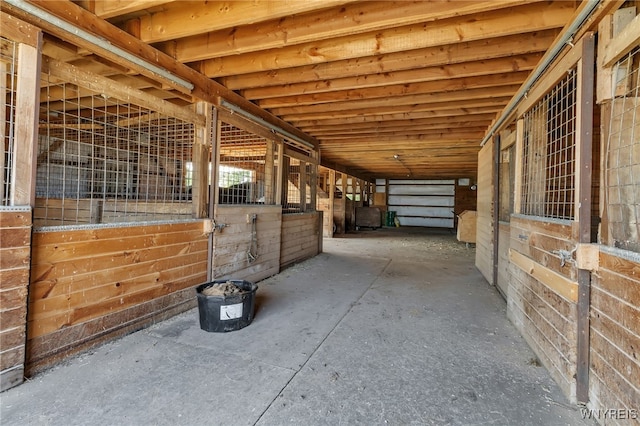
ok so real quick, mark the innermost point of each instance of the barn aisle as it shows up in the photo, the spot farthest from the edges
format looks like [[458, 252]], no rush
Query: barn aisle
[[393, 326]]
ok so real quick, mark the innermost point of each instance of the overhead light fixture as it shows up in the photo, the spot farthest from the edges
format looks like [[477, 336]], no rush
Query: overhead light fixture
[[98, 41], [273, 128]]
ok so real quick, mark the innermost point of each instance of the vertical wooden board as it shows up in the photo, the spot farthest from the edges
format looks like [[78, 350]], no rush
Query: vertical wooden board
[[504, 244], [484, 237]]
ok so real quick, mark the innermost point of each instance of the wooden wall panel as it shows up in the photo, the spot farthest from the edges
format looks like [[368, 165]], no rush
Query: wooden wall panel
[[91, 285], [542, 295], [615, 335], [234, 241], [15, 239], [300, 234], [484, 237], [504, 243]]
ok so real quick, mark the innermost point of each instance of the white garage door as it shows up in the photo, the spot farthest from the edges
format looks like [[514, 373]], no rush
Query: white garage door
[[423, 202]]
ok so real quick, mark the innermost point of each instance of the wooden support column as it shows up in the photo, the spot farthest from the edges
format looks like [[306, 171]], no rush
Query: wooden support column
[[284, 179], [212, 178], [517, 195], [344, 179], [200, 160], [302, 186], [26, 125], [313, 185], [583, 198], [496, 207], [279, 173], [269, 175], [3, 119], [332, 191]]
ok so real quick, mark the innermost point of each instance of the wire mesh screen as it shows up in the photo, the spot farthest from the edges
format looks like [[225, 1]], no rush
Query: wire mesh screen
[[622, 158], [101, 160], [8, 80], [243, 167], [549, 152]]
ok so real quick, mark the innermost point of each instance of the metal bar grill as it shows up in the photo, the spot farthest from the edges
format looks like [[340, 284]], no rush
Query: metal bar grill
[[242, 171], [548, 187], [8, 82], [101, 160], [622, 157]]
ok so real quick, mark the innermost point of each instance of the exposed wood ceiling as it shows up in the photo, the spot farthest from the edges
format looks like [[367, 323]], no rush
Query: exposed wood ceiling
[[389, 89]]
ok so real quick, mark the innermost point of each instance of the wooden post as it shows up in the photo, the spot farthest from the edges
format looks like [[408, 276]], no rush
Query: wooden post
[[517, 196], [279, 173], [496, 206], [200, 160], [583, 198], [302, 186], [284, 179], [3, 123], [313, 185], [212, 167], [269, 182], [26, 125], [332, 190]]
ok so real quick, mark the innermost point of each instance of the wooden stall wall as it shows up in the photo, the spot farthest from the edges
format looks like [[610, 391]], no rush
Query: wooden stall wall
[[92, 285], [542, 295], [614, 356], [484, 236], [615, 335], [15, 257], [301, 237], [242, 249]]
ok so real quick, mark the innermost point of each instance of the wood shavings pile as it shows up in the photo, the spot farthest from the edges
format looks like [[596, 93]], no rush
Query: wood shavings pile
[[222, 289]]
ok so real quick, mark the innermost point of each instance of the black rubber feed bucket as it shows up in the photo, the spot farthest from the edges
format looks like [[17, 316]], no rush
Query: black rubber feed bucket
[[226, 313]]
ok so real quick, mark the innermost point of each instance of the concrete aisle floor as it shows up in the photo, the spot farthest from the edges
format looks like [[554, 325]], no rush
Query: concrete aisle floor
[[393, 326]]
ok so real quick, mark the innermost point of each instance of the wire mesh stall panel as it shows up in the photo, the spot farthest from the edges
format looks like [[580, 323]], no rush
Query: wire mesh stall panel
[[103, 160], [548, 187], [8, 81], [622, 158], [247, 167]]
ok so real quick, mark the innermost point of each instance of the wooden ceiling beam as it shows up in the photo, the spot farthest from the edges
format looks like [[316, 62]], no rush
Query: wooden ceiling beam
[[184, 19], [109, 8], [348, 20], [440, 137], [447, 77], [479, 50], [393, 90], [382, 133], [534, 17], [414, 99], [399, 126], [460, 109]]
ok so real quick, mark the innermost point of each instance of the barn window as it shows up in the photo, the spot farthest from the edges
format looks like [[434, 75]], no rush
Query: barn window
[[8, 80], [242, 170], [622, 158], [102, 160], [549, 152]]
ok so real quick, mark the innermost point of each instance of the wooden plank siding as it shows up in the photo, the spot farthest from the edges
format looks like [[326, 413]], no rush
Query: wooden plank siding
[[232, 243], [484, 236], [15, 239], [615, 335], [542, 305], [91, 285], [301, 235]]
